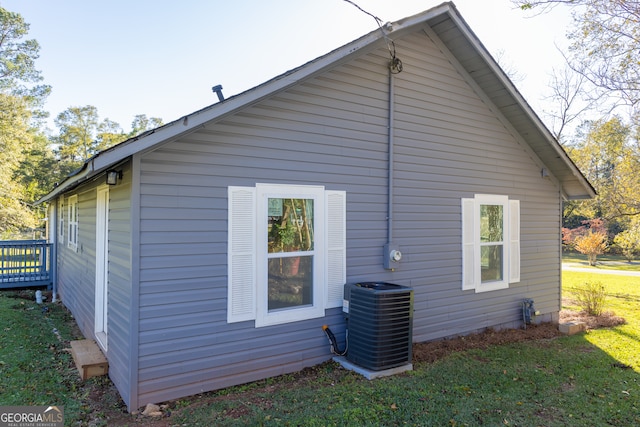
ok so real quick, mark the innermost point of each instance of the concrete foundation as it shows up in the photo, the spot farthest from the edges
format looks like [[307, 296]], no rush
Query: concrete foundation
[[572, 328], [370, 375]]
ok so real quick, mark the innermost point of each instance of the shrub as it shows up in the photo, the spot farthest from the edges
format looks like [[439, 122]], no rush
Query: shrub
[[590, 297]]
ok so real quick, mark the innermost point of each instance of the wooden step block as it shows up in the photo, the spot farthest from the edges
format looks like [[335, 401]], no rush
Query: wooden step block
[[89, 359]]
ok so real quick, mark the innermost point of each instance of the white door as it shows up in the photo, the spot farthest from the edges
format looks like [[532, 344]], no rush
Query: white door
[[102, 265]]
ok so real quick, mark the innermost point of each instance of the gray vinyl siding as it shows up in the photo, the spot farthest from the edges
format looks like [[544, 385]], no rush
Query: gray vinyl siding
[[332, 130], [120, 287], [76, 269], [76, 273], [186, 345], [449, 145]]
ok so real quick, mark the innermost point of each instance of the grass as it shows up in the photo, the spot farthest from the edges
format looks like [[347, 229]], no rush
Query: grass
[[577, 380], [561, 382], [581, 380], [623, 299], [29, 362], [35, 368], [604, 262]]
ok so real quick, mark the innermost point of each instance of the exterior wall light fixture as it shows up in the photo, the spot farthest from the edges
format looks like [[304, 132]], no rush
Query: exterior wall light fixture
[[113, 176]]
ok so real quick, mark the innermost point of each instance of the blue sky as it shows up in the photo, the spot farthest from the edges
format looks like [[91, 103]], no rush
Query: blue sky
[[161, 58]]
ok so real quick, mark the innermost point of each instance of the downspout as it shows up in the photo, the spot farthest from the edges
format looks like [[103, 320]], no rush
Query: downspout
[[54, 252], [561, 202]]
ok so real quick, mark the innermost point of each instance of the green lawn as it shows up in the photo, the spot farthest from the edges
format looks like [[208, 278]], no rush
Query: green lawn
[[583, 380], [623, 299], [34, 368], [603, 262]]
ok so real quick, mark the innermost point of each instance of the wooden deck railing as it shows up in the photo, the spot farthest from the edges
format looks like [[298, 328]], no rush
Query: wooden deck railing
[[25, 263]]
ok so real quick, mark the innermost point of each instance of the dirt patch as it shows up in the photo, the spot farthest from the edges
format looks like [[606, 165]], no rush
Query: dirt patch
[[432, 351], [605, 320], [21, 294], [435, 350]]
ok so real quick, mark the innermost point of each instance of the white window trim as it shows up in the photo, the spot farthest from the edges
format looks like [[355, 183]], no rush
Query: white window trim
[[316, 309], [247, 254], [72, 222], [471, 268]]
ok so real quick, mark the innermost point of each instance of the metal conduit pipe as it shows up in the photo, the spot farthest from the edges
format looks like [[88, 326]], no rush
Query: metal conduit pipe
[[391, 252], [54, 235], [390, 177]]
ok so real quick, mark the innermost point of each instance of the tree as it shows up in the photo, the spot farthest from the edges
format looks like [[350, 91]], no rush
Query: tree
[[17, 60], [592, 244], [605, 47], [76, 140], [39, 170], [15, 137], [30, 163], [629, 242], [17, 56], [142, 124], [609, 157], [605, 42], [108, 134], [82, 135], [568, 93], [21, 142], [570, 235]]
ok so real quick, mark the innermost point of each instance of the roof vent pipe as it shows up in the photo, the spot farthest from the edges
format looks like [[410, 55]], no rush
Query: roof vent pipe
[[218, 91]]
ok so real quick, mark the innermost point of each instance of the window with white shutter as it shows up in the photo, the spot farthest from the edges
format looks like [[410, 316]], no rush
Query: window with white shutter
[[72, 222], [241, 254], [336, 247], [287, 252], [61, 214], [490, 242]]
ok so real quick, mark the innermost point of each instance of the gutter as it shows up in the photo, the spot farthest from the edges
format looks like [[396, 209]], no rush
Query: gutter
[[75, 178]]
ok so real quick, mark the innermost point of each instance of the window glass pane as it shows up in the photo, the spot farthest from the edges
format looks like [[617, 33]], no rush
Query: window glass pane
[[290, 282], [491, 223], [491, 259], [290, 225], [290, 229]]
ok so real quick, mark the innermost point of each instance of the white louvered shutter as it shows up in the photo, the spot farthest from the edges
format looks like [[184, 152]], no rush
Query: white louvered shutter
[[514, 241], [336, 213], [241, 302], [469, 275]]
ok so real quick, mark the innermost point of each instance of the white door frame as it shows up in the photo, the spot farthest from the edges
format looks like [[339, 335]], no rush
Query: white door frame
[[102, 266]]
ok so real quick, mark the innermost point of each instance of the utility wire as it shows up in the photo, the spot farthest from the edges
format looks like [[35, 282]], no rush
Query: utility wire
[[378, 20], [395, 65]]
